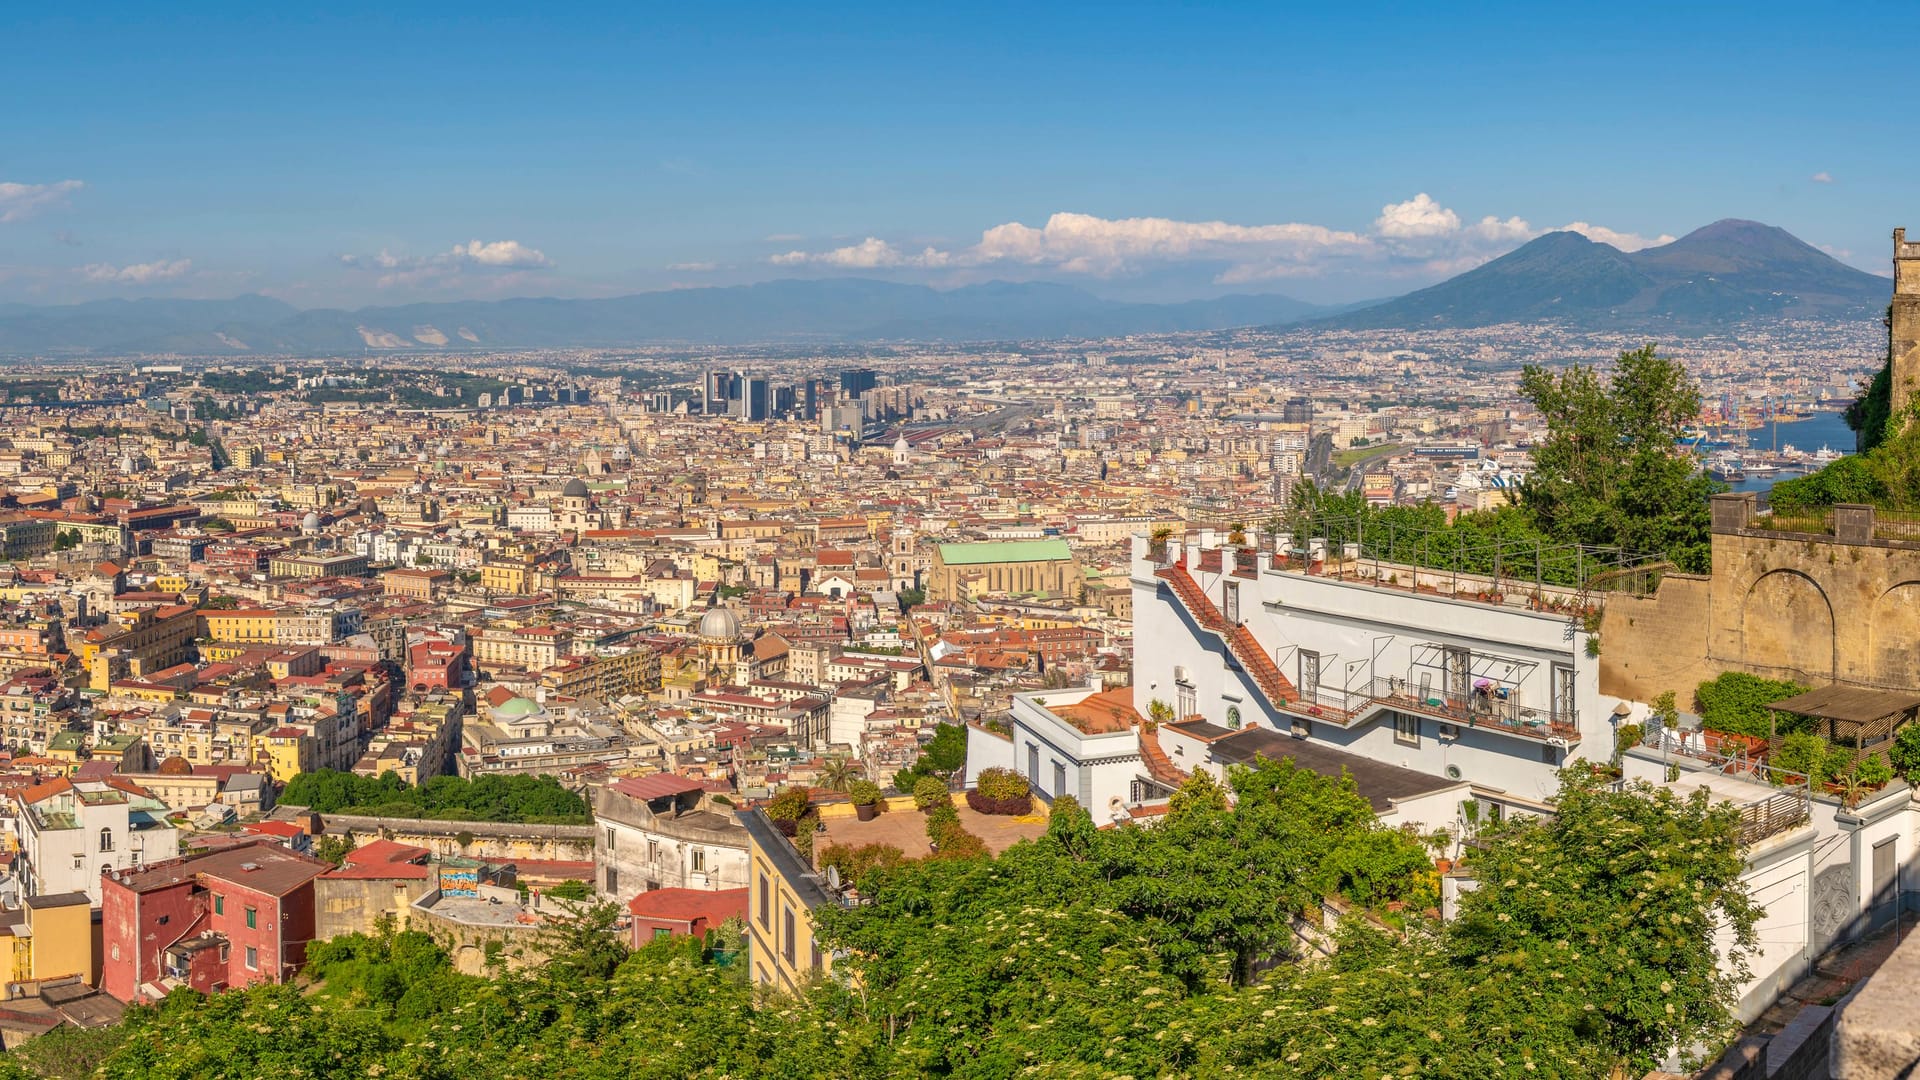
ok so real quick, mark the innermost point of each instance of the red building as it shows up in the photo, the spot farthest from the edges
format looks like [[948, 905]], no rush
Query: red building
[[436, 664], [683, 912], [231, 917]]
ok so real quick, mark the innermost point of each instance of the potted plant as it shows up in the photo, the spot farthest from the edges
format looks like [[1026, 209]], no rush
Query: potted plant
[[865, 795]]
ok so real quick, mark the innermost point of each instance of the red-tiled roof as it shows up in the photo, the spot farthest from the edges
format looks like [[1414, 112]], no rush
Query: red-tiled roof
[[687, 905]]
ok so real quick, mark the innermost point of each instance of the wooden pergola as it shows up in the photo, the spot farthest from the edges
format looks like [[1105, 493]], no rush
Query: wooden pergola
[[1863, 716]]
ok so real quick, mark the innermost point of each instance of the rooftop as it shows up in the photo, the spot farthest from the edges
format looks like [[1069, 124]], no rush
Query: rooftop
[[907, 830], [1011, 551], [1381, 784]]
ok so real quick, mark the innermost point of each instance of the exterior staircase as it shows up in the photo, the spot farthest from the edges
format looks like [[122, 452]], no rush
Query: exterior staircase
[[1239, 640]]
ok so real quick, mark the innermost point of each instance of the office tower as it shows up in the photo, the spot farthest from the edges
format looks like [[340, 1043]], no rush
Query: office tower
[[857, 381]]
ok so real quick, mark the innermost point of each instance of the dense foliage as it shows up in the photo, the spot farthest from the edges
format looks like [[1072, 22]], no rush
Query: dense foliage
[[1736, 703], [940, 758], [1607, 472], [1904, 754], [532, 799], [1586, 951], [1886, 471]]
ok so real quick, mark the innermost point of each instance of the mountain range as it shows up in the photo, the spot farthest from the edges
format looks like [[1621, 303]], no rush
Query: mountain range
[[832, 310], [1727, 272]]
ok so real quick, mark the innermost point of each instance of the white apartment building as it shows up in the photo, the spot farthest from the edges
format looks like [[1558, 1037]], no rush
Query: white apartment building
[[1491, 693], [70, 834]]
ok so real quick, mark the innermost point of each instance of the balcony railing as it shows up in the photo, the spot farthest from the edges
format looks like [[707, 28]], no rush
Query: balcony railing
[[1473, 711]]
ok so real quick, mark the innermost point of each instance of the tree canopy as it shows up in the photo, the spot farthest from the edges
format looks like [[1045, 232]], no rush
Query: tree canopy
[[1609, 472], [1587, 950], [520, 798]]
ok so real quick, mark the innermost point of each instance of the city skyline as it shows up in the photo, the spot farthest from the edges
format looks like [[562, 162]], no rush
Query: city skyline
[[351, 158]]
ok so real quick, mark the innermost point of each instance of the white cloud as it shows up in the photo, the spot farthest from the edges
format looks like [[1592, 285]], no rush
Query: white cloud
[[506, 253], [136, 273], [21, 201], [694, 267], [1625, 241], [870, 254], [481, 256], [1417, 236], [1822, 177], [1419, 216]]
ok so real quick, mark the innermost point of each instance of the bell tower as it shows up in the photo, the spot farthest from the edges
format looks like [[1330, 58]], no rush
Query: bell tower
[[1906, 321]]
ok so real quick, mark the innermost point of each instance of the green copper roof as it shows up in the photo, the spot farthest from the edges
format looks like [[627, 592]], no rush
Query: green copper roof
[[1013, 551]]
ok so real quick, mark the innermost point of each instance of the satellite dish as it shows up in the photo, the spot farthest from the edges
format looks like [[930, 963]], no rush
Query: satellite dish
[[833, 878]]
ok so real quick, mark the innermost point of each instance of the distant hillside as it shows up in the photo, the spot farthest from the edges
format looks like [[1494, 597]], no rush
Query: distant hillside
[[836, 310], [1727, 272]]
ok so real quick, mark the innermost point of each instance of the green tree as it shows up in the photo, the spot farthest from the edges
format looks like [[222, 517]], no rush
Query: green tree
[[1608, 472]]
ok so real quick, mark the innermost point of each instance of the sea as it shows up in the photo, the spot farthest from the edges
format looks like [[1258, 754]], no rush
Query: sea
[[1810, 433]]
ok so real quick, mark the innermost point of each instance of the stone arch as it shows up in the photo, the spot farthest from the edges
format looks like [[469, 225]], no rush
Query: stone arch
[[1893, 642], [1786, 621]]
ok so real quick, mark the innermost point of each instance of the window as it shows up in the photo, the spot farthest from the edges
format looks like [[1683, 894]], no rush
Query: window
[[1406, 729], [1059, 779], [613, 880], [766, 920], [219, 904], [1563, 694], [1033, 763], [106, 839], [1233, 717], [816, 956], [699, 861], [653, 851], [252, 915], [609, 839], [1187, 703], [253, 956], [1309, 674], [786, 943], [660, 932]]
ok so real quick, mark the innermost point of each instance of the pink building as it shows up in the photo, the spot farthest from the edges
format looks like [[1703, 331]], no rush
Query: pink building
[[240, 915]]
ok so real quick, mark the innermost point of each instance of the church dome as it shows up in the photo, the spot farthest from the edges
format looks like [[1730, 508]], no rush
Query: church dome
[[176, 766], [310, 523], [719, 624], [517, 708], [574, 488]]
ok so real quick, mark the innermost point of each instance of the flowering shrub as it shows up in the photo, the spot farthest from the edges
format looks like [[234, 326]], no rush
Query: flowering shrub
[[864, 793], [997, 783], [929, 792]]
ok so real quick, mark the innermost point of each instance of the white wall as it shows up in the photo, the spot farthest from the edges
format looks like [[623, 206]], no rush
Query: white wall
[[1373, 632]]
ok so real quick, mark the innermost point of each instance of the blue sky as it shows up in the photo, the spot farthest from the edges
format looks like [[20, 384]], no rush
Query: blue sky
[[354, 155]]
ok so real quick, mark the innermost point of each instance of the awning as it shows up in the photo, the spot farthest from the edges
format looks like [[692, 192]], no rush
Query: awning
[[1848, 704]]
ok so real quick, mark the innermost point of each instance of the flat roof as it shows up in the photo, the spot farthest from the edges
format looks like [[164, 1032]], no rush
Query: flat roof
[[1380, 783]]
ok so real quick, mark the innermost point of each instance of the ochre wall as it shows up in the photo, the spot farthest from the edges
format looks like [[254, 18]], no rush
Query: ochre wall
[[1815, 609]]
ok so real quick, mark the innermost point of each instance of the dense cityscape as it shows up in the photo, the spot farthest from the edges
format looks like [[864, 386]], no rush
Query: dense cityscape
[[868, 542]]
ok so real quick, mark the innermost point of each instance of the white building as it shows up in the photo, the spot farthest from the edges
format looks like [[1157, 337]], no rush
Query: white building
[[651, 832], [71, 833], [1492, 693], [1437, 701]]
